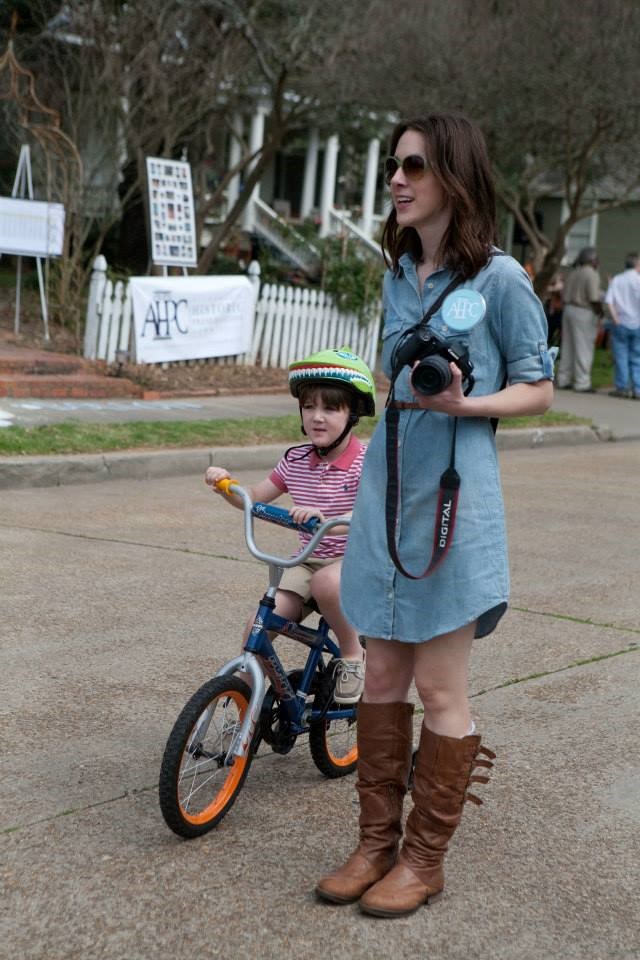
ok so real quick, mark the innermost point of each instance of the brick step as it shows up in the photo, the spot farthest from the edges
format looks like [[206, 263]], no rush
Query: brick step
[[76, 385], [35, 368], [41, 362]]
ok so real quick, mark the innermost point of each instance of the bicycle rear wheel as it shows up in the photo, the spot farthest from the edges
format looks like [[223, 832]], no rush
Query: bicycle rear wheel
[[196, 787], [333, 743]]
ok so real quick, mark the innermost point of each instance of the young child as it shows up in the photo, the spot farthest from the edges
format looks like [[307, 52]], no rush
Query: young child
[[333, 388]]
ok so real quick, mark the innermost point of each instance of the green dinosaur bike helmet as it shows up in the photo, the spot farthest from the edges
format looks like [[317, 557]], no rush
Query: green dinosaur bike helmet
[[337, 368]]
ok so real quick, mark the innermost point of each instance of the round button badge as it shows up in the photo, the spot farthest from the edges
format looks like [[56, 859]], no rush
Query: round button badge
[[462, 309]]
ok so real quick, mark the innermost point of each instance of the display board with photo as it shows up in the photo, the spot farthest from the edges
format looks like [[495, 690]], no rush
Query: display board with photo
[[171, 212]]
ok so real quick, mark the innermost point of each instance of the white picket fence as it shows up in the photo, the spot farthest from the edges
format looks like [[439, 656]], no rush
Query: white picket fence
[[290, 322]]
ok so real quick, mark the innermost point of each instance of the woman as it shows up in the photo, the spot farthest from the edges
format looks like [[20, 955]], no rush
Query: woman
[[440, 231]]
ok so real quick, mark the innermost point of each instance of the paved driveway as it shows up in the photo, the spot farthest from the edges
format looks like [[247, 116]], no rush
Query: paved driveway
[[119, 599]]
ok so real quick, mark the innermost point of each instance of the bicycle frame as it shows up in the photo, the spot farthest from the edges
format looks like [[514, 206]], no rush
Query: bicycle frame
[[259, 656]]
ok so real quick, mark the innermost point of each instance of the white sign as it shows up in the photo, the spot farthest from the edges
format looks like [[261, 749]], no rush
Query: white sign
[[31, 228], [171, 213], [189, 318]]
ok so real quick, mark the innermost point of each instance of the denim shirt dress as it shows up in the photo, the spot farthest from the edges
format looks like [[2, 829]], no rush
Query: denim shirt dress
[[472, 581]]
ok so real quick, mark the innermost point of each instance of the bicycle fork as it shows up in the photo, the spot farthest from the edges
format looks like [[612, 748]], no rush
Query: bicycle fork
[[248, 663]]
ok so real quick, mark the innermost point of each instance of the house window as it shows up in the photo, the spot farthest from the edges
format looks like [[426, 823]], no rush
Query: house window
[[582, 234]]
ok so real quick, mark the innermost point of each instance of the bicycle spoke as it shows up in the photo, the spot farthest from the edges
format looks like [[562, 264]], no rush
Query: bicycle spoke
[[197, 772]]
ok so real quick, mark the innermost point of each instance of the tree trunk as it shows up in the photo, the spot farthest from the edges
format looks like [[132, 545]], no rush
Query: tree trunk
[[212, 250], [552, 260]]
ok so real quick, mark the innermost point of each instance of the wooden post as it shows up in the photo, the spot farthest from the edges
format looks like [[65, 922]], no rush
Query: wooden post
[[94, 307]]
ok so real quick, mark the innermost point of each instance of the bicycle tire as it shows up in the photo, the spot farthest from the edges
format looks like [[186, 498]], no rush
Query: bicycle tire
[[333, 743], [197, 789]]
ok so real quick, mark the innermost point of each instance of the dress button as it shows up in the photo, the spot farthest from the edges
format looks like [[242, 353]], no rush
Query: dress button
[[430, 286]]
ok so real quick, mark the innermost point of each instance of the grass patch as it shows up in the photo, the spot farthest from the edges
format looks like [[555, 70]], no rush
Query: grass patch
[[75, 437], [602, 369], [553, 418]]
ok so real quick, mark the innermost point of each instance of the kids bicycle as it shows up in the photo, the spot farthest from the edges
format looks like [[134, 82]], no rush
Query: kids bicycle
[[213, 742]]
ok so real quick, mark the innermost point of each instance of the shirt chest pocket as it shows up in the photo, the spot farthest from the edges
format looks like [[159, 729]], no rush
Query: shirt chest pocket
[[450, 339]]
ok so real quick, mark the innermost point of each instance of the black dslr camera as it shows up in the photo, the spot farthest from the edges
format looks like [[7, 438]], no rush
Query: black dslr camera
[[432, 374]]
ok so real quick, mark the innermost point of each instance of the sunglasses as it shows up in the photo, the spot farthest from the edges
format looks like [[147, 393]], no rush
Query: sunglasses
[[414, 167]]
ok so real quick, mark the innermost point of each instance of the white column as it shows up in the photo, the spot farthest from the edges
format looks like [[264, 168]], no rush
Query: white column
[[256, 139], [329, 169], [369, 191], [235, 152], [310, 173], [253, 272]]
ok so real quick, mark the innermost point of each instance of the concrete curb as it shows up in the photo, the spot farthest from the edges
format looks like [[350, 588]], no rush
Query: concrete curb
[[17, 472], [551, 436]]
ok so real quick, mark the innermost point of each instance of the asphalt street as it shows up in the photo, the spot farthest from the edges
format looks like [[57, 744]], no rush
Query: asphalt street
[[119, 599]]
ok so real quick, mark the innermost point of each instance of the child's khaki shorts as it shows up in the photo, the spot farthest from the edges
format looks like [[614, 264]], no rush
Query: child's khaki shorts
[[298, 579]]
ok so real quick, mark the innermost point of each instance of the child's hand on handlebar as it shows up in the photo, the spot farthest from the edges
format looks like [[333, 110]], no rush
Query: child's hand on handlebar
[[302, 514], [213, 475]]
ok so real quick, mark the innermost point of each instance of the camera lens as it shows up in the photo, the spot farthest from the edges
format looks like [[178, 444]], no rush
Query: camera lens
[[432, 375]]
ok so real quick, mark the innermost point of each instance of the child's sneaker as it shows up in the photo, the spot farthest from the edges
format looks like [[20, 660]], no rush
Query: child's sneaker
[[349, 676]]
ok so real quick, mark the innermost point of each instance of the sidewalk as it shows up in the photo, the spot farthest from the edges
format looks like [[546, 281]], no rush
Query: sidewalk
[[621, 416], [612, 419]]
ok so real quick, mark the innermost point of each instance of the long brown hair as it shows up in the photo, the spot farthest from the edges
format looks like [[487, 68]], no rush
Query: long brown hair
[[457, 154]]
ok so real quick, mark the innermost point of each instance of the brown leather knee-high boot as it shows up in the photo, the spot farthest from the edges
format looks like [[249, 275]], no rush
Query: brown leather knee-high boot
[[384, 761], [444, 768]]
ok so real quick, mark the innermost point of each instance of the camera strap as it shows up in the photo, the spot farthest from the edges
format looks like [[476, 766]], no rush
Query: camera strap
[[449, 481], [447, 500]]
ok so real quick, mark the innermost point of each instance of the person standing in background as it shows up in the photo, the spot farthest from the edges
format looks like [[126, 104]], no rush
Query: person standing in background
[[623, 300], [583, 311], [553, 305]]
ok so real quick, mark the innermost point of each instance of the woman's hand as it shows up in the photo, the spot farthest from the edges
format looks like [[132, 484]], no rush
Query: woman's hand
[[523, 399], [451, 400]]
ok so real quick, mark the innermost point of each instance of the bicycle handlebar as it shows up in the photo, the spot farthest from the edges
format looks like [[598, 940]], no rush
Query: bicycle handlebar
[[264, 511], [281, 517]]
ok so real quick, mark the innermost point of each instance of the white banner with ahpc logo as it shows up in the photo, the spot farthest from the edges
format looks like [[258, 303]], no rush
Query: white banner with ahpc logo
[[190, 318]]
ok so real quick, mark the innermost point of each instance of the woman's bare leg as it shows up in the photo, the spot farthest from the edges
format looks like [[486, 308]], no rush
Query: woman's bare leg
[[389, 671], [442, 681], [440, 668]]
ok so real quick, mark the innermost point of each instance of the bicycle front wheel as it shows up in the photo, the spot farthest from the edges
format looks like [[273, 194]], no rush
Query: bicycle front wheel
[[197, 787]]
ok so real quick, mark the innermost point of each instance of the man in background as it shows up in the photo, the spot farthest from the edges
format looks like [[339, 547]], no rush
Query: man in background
[[623, 299], [583, 311]]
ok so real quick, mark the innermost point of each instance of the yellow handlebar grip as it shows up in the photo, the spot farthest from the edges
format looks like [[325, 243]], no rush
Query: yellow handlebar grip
[[223, 485]]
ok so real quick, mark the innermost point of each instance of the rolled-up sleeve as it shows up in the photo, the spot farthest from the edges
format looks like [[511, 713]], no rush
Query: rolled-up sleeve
[[522, 327]]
